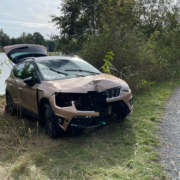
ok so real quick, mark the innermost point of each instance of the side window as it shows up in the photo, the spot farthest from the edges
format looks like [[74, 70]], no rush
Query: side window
[[29, 71], [18, 71], [25, 70]]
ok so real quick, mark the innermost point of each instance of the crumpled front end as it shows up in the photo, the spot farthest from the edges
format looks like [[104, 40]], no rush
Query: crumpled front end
[[91, 109]]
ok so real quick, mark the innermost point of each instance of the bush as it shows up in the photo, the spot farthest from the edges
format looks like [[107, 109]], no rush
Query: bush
[[143, 35], [138, 61]]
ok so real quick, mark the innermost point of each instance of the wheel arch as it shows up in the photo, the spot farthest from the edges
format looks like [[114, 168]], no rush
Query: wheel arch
[[41, 104]]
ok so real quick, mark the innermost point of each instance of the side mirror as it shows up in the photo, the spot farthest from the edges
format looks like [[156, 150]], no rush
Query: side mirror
[[29, 81]]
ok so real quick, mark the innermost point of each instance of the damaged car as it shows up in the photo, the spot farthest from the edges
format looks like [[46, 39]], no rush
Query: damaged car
[[63, 92]]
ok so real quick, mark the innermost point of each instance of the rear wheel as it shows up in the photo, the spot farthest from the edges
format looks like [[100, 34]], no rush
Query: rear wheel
[[51, 124], [9, 103]]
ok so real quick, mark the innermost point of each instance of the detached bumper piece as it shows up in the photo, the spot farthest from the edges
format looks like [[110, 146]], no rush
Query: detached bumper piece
[[88, 124], [107, 111]]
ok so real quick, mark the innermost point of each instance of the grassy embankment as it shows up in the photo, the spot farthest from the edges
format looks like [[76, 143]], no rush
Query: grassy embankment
[[116, 151]]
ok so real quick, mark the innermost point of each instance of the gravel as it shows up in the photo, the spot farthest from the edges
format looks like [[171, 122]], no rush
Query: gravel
[[170, 137]]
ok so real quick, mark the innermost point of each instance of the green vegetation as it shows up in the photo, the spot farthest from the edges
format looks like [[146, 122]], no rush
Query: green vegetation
[[115, 151], [79, 21], [35, 38], [140, 42], [143, 35]]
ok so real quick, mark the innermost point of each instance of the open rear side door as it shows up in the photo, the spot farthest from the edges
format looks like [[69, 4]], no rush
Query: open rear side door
[[17, 53]]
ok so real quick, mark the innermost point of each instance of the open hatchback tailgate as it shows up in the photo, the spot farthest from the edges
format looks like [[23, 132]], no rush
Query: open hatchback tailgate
[[17, 53]]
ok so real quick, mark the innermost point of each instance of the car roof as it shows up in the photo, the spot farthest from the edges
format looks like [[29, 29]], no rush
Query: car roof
[[46, 58], [57, 57]]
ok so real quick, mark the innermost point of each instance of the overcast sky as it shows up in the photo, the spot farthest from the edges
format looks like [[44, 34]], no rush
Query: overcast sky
[[17, 16]]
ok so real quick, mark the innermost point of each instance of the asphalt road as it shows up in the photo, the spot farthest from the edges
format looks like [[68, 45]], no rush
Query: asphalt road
[[170, 136]]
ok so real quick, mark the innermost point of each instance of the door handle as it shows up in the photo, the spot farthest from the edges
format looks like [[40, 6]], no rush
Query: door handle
[[10, 84], [19, 88]]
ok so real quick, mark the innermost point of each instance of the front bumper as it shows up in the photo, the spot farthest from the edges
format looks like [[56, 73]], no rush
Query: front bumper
[[71, 117]]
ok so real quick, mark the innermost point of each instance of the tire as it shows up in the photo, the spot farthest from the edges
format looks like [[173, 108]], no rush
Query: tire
[[51, 125], [123, 113], [9, 103]]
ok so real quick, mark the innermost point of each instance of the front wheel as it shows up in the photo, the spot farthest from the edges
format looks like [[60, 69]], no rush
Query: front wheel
[[51, 124], [9, 103]]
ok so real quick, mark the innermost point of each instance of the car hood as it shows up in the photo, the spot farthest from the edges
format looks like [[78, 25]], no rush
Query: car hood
[[85, 84]]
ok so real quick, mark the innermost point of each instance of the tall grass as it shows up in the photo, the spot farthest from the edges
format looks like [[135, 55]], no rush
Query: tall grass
[[115, 151]]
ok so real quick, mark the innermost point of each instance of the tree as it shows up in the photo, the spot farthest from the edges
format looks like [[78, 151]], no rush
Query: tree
[[38, 38], [155, 15], [79, 20], [29, 39], [13, 41], [23, 37], [19, 40], [51, 45], [5, 40]]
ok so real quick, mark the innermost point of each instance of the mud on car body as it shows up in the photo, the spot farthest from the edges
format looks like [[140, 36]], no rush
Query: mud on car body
[[65, 92]]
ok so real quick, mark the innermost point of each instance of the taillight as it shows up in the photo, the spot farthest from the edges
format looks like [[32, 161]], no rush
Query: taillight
[[6, 47], [5, 81]]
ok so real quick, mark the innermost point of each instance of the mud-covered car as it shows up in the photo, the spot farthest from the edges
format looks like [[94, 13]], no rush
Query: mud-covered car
[[64, 92]]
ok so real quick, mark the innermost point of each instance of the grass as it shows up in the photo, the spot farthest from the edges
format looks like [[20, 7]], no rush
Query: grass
[[115, 151]]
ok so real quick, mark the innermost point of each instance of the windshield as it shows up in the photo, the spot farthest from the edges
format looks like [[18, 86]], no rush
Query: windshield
[[61, 68]]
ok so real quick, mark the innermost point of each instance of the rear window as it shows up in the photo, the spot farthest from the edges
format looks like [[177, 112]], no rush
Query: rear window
[[23, 52]]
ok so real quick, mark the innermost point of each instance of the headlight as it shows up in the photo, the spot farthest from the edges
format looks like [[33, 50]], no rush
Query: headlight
[[126, 88]]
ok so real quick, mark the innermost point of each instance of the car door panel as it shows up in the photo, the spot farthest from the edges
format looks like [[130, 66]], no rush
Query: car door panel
[[15, 93], [12, 88], [24, 94], [28, 96]]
